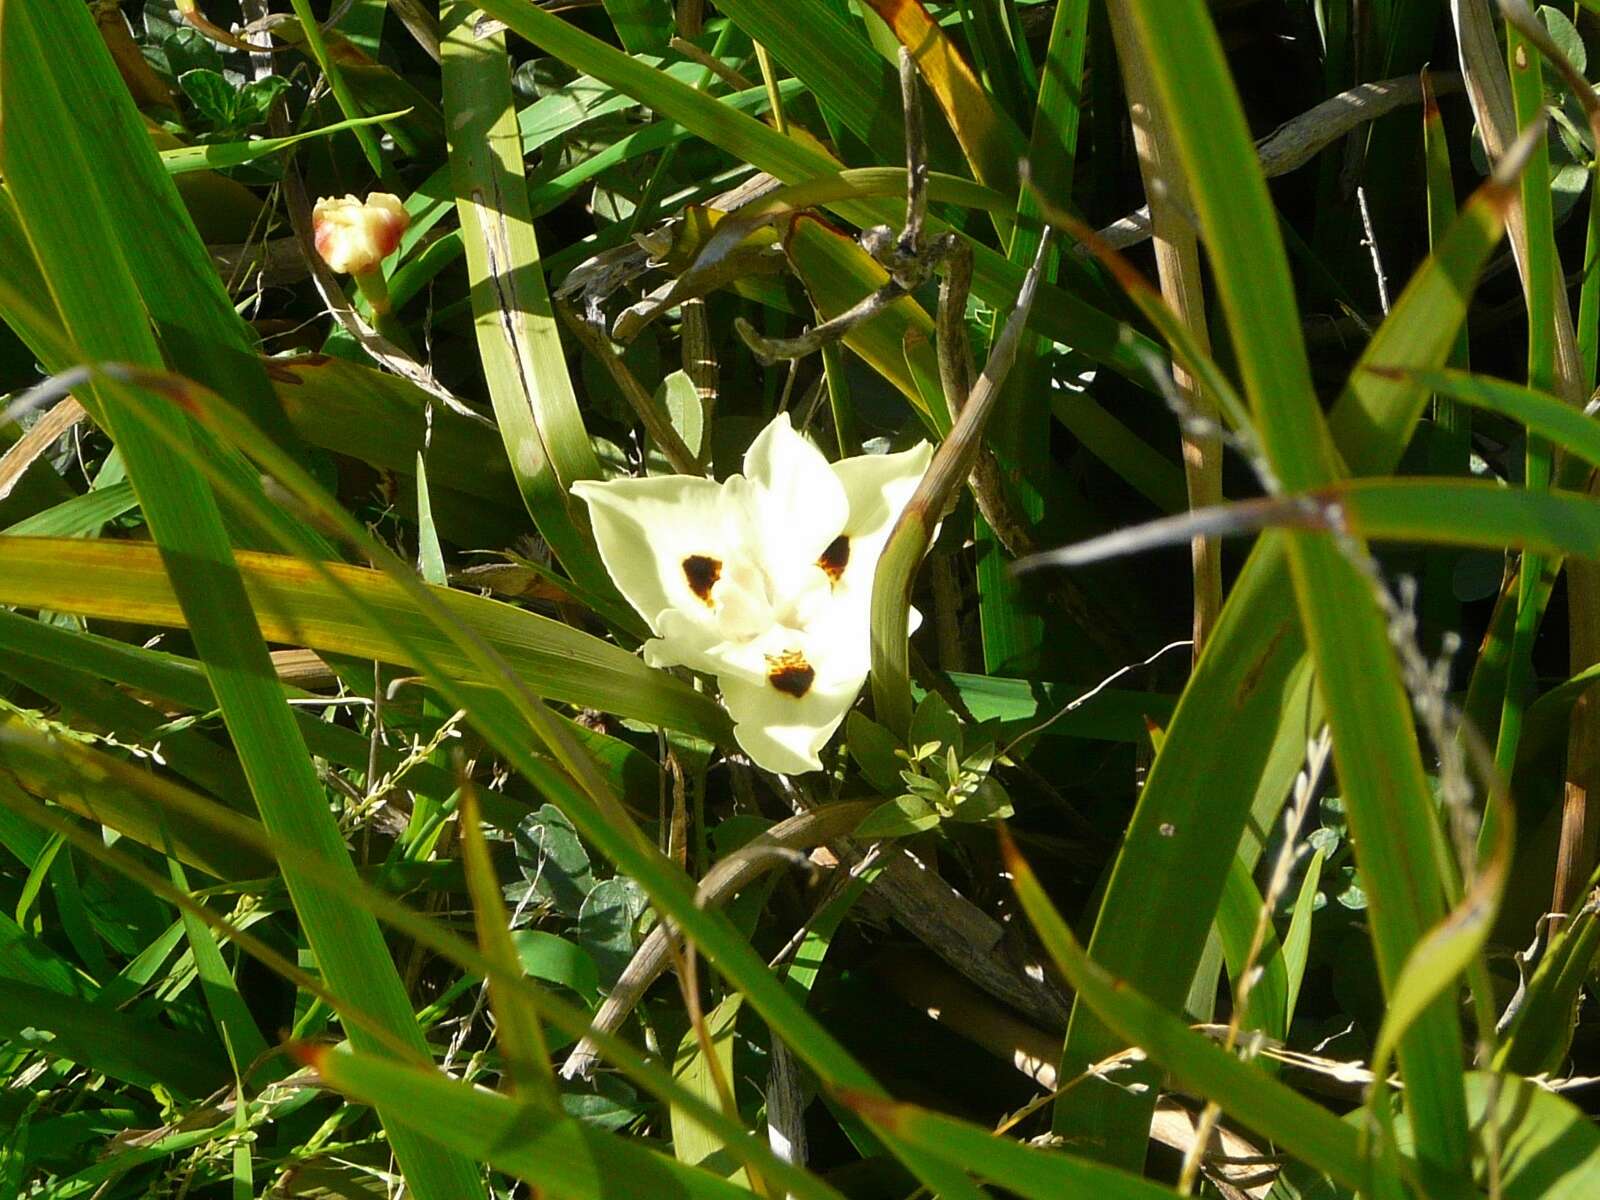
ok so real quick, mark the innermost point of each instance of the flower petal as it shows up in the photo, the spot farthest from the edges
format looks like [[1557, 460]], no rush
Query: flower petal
[[878, 487], [666, 541], [355, 237], [799, 500], [787, 694]]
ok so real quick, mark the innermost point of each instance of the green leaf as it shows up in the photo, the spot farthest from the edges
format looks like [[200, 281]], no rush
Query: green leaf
[[553, 861], [430, 555], [643, 26], [82, 516], [256, 98], [1297, 941], [874, 749], [556, 959], [677, 397], [1237, 915], [900, 817], [1565, 35], [140, 1052], [213, 95], [934, 721], [1548, 1149], [691, 1142], [607, 922]]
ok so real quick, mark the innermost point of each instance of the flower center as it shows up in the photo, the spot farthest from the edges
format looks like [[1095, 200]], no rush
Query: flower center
[[747, 600], [702, 572], [790, 673], [835, 558]]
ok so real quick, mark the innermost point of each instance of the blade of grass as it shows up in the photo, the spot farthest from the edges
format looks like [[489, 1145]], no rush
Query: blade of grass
[[1019, 1168], [127, 205], [643, 26], [573, 1021], [1454, 945], [518, 338], [44, 159], [1543, 272], [235, 1025], [1297, 939], [317, 47], [561, 1156], [1178, 270], [1243, 721], [1012, 637], [1382, 509], [1451, 447], [126, 581], [1380, 768], [1307, 1131], [517, 1027], [836, 63], [215, 156]]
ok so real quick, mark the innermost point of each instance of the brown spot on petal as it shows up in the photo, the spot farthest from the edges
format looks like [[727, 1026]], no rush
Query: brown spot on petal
[[836, 557], [702, 572], [790, 673]]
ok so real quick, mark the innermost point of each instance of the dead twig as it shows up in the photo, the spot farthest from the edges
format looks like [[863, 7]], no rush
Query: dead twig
[[909, 257]]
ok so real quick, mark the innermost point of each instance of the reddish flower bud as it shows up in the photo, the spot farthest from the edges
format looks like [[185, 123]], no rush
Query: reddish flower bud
[[353, 237]]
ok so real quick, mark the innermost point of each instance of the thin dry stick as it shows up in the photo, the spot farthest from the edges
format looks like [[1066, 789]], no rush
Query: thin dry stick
[[711, 63], [1299, 140], [1580, 816], [720, 883], [910, 259], [1178, 269], [22, 453], [655, 422]]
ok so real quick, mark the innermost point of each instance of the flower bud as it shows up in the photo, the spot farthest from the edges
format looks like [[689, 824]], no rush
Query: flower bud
[[354, 237]]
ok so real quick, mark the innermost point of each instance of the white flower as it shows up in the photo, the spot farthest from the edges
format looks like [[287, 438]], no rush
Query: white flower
[[764, 580], [353, 237]]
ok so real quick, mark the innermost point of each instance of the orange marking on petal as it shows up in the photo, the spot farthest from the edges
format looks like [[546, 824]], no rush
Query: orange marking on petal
[[790, 673], [702, 572], [835, 558]]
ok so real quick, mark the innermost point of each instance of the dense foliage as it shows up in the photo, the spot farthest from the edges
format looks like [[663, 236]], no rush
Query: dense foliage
[[841, 598]]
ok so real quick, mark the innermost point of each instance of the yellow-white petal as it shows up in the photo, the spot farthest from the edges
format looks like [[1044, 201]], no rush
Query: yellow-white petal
[[787, 694], [878, 486], [666, 541], [800, 502]]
